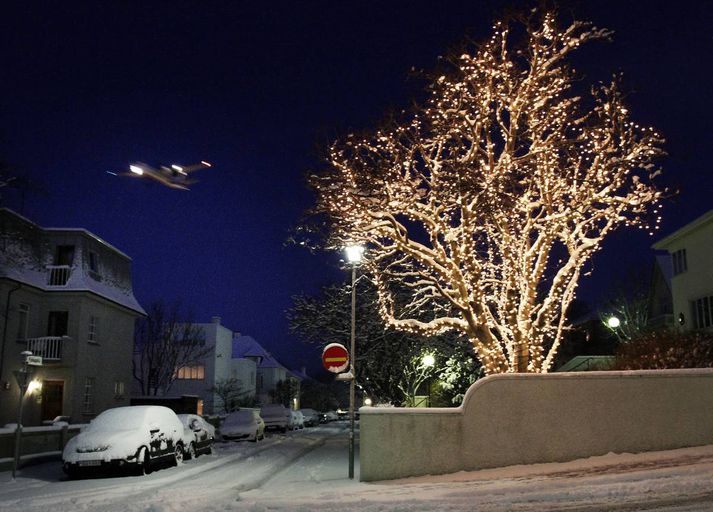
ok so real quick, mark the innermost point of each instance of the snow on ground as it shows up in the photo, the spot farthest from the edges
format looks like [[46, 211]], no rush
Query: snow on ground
[[307, 470]]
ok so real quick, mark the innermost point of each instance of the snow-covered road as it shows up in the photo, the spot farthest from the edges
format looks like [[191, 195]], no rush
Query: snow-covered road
[[307, 471]]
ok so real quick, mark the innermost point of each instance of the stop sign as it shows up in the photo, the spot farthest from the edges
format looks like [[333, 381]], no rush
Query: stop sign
[[335, 357]]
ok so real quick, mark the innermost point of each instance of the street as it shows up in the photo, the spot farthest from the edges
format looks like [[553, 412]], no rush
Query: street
[[307, 470]]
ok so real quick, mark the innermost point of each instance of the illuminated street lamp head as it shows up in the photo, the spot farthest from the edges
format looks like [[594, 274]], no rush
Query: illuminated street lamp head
[[367, 402], [354, 253], [136, 169], [428, 360], [613, 322]]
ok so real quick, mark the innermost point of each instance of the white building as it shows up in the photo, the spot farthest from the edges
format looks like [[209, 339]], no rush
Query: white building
[[216, 368], [691, 252]]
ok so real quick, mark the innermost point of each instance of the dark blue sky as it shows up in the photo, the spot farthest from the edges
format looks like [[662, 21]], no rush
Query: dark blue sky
[[256, 88]]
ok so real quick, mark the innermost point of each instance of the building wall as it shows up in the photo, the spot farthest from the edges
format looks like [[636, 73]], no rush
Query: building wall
[[696, 281], [534, 418], [107, 360]]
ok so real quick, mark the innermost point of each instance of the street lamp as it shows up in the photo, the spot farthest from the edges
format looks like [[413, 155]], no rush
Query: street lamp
[[613, 322], [23, 380], [428, 361], [354, 255]]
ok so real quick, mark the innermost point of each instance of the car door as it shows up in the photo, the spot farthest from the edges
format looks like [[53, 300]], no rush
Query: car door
[[200, 433]]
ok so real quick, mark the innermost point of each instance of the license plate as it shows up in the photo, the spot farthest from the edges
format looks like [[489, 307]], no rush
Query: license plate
[[90, 463]]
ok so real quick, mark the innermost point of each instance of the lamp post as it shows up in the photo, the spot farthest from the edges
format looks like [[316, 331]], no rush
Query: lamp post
[[23, 380], [428, 361], [354, 254]]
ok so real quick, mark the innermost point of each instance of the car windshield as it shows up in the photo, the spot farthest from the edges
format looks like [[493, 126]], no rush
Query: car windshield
[[238, 417], [121, 418]]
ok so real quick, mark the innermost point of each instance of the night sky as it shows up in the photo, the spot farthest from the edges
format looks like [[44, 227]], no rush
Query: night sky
[[257, 88]]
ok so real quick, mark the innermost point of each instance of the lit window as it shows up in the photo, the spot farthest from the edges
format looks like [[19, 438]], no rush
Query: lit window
[[679, 261], [193, 372], [88, 402], [93, 328], [23, 321]]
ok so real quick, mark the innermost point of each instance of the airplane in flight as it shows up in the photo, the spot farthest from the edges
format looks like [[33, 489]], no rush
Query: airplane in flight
[[172, 176]]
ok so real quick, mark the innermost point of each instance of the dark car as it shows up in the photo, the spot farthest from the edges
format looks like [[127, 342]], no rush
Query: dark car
[[199, 435]]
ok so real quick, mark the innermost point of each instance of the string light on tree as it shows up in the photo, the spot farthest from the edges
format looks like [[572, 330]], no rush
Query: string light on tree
[[484, 205]]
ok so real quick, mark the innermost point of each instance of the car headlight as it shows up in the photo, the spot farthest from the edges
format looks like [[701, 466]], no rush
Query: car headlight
[[93, 449]]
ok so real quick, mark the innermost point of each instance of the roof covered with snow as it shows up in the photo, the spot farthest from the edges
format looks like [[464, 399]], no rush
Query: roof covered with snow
[[247, 347]]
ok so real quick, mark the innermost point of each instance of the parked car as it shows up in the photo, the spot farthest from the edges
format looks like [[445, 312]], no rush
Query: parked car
[[276, 417], [297, 420], [137, 437], [329, 416], [243, 424], [198, 435], [311, 417]]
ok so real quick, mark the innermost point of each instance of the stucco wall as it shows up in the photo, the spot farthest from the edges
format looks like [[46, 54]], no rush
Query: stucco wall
[[524, 419]]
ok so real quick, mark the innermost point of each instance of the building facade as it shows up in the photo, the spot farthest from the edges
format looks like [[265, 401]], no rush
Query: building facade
[[691, 251], [66, 295], [216, 369], [272, 378]]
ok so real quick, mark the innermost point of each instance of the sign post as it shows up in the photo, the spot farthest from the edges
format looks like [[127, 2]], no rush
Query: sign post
[[23, 380]]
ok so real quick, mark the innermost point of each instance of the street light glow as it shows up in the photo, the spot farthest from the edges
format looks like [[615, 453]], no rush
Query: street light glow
[[428, 360], [613, 322], [354, 253], [136, 169]]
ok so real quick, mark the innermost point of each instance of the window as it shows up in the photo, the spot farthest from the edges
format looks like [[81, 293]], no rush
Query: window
[[57, 323], [88, 401], [23, 321], [93, 327], [118, 389], [93, 262], [194, 372], [679, 261], [259, 382], [703, 312]]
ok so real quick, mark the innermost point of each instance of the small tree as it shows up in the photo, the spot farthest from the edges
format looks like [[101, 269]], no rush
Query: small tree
[[285, 392], [480, 209], [164, 343], [231, 394]]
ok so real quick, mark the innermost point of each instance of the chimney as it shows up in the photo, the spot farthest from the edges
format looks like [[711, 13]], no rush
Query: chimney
[[215, 320]]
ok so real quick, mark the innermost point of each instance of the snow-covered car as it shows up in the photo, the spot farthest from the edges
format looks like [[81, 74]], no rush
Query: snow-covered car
[[135, 437], [311, 417], [329, 416], [297, 420], [275, 416], [199, 435], [243, 424]]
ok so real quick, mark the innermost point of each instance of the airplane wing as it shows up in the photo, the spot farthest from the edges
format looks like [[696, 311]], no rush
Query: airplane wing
[[195, 167]]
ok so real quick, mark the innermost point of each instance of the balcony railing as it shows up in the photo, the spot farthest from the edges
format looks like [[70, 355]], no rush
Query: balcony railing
[[49, 347], [58, 275]]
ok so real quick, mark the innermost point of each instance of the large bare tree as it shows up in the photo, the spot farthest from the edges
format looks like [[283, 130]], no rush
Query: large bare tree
[[485, 203], [165, 341]]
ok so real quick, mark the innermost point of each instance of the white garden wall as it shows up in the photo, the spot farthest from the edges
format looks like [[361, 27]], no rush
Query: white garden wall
[[527, 418]]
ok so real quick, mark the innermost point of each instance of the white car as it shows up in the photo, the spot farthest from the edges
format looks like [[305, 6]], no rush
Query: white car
[[297, 420], [243, 424], [276, 416], [311, 417], [199, 435], [126, 437]]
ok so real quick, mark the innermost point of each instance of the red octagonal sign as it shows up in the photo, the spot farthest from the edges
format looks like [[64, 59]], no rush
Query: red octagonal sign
[[335, 358]]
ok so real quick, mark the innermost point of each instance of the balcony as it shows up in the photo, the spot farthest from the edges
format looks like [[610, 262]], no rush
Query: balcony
[[58, 275], [49, 347]]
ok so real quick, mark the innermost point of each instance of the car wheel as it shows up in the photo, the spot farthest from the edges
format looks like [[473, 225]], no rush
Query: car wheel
[[254, 439], [208, 450], [178, 454], [143, 461], [191, 453]]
